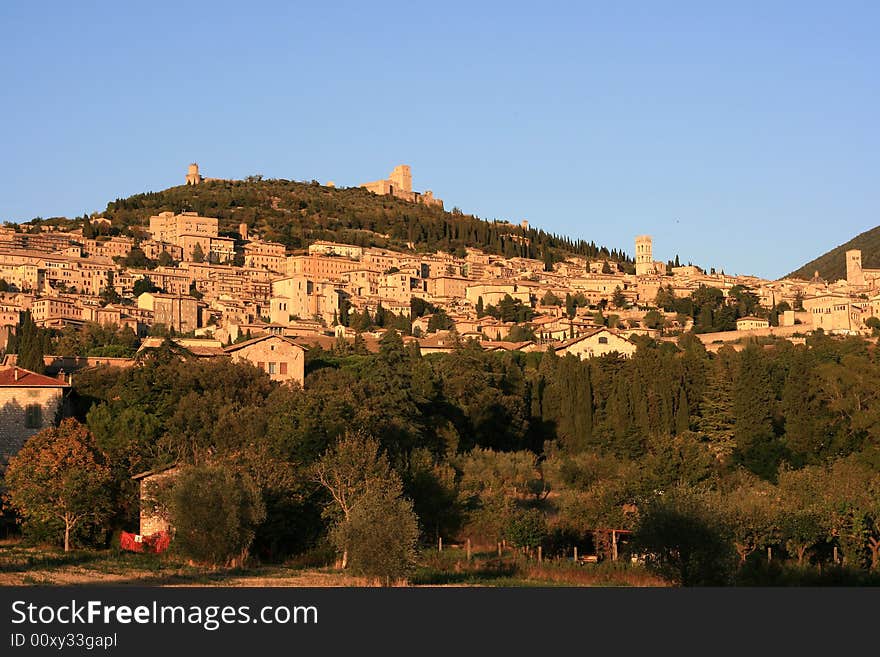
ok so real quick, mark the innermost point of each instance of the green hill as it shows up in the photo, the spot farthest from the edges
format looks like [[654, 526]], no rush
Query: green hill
[[832, 265], [299, 213]]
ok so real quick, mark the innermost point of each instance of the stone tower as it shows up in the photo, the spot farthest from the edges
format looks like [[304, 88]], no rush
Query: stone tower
[[401, 178], [193, 177], [644, 255], [243, 231], [854, 274]]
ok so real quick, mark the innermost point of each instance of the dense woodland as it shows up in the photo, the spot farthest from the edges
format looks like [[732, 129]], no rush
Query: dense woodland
[[708, 459]]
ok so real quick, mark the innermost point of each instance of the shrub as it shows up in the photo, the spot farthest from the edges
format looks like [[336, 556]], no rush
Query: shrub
[[215, 512], [380, 536], [527, 528]]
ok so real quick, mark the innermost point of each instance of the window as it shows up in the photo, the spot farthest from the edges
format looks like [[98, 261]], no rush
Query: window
[[272, 368], [603, 340], [282, 368], [33, 416]]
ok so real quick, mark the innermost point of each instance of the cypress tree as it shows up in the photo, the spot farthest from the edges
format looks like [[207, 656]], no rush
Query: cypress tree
[[756, 445], [716, 419], [29, 343], [682, 413]]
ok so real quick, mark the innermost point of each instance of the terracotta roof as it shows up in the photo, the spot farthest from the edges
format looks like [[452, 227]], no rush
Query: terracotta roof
[[247, 343], [568, 343], [16, 376], [154, 471], [504, 345], [327, 342]]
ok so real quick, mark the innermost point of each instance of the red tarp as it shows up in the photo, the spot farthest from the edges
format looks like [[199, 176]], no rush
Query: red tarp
[[154, 543]]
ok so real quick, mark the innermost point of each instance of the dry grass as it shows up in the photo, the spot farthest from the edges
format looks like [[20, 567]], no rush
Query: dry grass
[[606, 574], [23, 565]]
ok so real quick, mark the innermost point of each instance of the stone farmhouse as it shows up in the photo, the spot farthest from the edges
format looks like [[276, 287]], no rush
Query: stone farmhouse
[[29, 402], [280, 357], [598, 342]]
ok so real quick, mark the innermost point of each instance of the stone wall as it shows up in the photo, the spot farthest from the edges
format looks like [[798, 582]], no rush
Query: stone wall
[[152, 517], [14, 402]]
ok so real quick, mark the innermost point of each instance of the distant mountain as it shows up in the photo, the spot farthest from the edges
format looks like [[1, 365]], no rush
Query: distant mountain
[[832, 265], [299, 213]]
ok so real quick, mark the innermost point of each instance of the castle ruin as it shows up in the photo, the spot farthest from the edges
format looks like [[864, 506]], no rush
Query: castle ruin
[[193, 177], [399, 185]]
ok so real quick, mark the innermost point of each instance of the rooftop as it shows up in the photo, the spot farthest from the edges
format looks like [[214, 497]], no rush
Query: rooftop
[[20, 377]]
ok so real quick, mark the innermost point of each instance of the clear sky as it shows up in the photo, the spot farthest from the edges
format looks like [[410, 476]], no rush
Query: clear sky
[[741, 135]]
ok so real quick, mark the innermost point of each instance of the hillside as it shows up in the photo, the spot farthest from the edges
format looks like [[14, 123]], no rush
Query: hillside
[[298, 213], [832, 265]]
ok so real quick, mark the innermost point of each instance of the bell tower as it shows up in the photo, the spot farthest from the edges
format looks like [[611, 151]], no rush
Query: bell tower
[[644, 255]]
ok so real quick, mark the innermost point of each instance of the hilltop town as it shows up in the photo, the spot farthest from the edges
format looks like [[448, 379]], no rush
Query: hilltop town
[[184, 279], [186, 349]]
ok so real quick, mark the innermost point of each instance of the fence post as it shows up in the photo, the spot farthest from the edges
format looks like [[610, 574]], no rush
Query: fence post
[[469, 549], [540, 555], [440, 544], [575, 553]]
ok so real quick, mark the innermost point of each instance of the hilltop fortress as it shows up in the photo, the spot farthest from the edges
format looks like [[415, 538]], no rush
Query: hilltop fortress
[[399, 185]]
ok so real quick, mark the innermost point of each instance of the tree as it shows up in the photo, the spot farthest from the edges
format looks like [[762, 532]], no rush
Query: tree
[[717, 418], [198, 255], [550, 299], [749, 510], [215, 512], [757, 447], [653, 320], [379, 536], [521, 333], [60, 478], [30, 344], [440, 321], [619, 298], [110, 295], [143, 285], [683, 540], [137, 259], [527, 528], [349, 471]]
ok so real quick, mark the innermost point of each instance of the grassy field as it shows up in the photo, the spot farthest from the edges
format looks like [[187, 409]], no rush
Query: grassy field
[[25, 565]]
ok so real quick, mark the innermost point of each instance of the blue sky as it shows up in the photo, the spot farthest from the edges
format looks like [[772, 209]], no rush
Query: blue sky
[[741, 135]]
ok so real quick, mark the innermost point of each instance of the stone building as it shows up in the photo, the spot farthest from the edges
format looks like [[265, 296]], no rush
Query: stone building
[[176, 312], [280, 357], [153, 518], [29, 402], [835, 313], [168, 227], [335, 249], [645, 263], [856, 275], [305, 298], [265, 255], [598, 342], [399, 185], [751, 323]]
